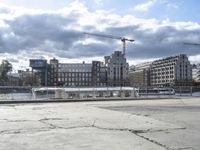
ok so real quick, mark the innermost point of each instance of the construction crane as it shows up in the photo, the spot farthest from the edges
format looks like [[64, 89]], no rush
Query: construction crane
[[123, 39], [195, 44]]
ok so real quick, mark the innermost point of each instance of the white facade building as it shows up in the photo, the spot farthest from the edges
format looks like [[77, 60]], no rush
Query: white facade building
[[175, 70], [117, 69]]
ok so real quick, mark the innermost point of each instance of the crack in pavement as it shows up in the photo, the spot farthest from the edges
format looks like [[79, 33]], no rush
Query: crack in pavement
[[8, 120], [53, 126], [93, 124], [186, 148], [46, 119], [137, 133], [162, 130], [153, 141], [21, 131]]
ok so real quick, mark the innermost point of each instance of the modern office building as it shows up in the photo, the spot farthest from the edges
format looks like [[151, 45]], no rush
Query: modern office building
[[139, 75], [170, 71], [175, 71], [117, 69]]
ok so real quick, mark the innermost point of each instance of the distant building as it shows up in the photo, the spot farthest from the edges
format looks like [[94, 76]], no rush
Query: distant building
[[71, 74], [196, 73], [117, 69], [175, 70], [41, 69], [77, 74], [169, 71], [13, 79], [113, 73], [99, 74], [29, 78], [139, 75]]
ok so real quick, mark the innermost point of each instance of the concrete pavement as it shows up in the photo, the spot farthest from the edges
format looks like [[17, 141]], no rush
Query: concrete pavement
[[109, 125]]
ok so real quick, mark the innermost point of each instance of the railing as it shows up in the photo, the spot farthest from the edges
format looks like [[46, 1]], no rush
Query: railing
[[15, 87]]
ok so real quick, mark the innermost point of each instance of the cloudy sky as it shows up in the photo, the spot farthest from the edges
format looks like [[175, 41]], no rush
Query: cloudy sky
[[54, 28]]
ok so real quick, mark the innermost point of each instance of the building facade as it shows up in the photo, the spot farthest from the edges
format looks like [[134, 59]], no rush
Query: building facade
[[41, 69], [117, 69], [77, 74], [175, 71], [113, 73], [139, 75]]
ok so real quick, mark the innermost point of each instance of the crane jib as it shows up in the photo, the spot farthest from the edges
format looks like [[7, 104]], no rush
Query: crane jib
[[123, 39]]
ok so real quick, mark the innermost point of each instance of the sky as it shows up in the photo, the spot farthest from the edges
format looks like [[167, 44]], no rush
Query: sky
[[55, 28]]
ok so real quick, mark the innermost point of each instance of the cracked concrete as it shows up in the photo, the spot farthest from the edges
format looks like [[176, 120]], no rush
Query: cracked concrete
[[184, 112], [122, 125]]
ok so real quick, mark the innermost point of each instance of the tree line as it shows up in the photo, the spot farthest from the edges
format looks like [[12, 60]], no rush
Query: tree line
[[5, 67]]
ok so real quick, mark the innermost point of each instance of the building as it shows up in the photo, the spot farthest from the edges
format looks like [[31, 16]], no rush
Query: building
[[13, 79], [77, 74], [70, 74], [113, 73], [99, 74], [117, 69], [139, 75], [196, 73], [29, 78], [41, 68], [175, 71]]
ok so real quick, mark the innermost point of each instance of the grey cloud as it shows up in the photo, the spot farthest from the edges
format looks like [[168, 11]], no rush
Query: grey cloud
[[165, 41], [4, 10], [47, 32], [90, 50], [33, 31]]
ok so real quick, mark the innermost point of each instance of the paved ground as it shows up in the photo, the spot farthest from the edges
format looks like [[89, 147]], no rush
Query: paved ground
[[122, 125]]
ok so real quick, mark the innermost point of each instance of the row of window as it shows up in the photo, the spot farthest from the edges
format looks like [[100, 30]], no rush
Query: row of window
[[74, 65], [162, 81], [163, 69], [85, 74], [78, 84], [75, 79], [162, 77], [164, 64], [162, 73], [74, 70]]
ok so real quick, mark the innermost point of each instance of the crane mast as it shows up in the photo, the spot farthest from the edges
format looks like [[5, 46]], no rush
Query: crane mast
[[123, 39]]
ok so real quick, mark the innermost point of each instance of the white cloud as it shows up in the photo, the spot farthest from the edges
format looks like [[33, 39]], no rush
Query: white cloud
[[171, 4], [144, 7], [195, 58], [98, 2]]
